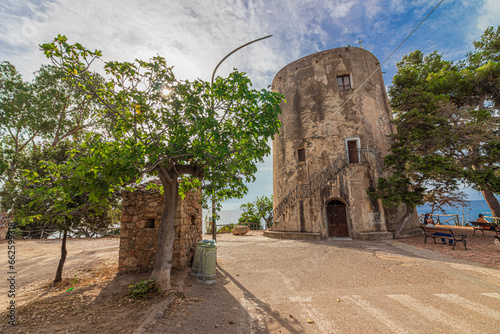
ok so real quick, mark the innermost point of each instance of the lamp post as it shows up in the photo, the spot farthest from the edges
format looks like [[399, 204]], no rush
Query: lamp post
[[214, 226]]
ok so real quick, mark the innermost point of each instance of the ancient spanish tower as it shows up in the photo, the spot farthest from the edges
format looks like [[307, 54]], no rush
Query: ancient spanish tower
[[335, 132]]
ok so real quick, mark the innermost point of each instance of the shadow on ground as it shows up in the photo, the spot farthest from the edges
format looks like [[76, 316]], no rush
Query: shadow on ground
[[224, 307], [101, 307]]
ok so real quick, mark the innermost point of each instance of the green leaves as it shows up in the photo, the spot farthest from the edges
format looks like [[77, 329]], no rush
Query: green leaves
[[216, 133], [448, 124], [253, 212]]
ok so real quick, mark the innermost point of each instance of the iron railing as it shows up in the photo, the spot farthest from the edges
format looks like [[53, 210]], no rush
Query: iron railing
[[317, 183]]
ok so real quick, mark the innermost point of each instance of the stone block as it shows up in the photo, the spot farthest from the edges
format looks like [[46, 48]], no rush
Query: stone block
[[126, 218], [131, 263], [241, 230]]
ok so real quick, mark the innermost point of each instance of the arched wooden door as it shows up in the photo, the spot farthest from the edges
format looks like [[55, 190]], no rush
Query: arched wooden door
[[337, 219]]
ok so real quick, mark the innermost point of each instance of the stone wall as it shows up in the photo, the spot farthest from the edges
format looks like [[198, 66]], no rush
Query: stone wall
[[319, 121], [141, 216]]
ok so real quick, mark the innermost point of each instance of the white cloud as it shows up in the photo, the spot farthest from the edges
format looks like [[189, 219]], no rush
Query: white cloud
[[194, 35], [339, 10], [489, 15]]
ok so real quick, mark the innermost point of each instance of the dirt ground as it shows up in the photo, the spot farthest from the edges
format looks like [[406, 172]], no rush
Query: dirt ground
[[480, 249], [342, 286], [98, 302]]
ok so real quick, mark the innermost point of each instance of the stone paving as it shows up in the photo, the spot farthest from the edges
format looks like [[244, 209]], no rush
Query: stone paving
[[404, 286], [480, 249]]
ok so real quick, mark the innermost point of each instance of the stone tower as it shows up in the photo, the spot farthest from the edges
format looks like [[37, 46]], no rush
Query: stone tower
[[335, 132]]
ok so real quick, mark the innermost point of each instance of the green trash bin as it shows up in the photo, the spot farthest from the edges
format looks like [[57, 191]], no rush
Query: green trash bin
[[207, 264], [196, 258]]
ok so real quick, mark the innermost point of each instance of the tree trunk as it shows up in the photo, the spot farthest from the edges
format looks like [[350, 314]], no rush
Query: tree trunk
[[402, 221], [166, 233], [62, 260], [492, 202]]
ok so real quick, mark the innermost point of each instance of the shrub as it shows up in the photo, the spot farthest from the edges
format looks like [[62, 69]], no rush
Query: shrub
[[226, 228], [253, 212], [250, 220], [146, 288]]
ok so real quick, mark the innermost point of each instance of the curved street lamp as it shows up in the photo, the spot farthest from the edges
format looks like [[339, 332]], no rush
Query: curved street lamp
[[214, 226], [230, 53]]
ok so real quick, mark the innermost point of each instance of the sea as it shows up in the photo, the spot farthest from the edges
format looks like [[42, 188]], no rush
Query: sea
[[469, 212]]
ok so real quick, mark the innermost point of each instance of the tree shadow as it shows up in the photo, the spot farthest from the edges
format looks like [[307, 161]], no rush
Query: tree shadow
[[88, 308], [263, 310], [217, 308]]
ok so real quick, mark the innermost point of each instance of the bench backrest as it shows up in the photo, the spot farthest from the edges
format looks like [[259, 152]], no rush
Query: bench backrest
[[436, 229], [486, 225]]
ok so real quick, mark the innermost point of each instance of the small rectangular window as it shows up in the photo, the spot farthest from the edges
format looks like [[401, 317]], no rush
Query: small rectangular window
[[150, 223], [344, 82], [301, 154], [352, 147]]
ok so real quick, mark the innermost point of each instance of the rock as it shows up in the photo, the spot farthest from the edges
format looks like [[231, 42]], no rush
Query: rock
[[241, 230]]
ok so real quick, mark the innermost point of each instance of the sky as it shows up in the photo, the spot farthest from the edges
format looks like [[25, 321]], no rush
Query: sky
[[194, 35]]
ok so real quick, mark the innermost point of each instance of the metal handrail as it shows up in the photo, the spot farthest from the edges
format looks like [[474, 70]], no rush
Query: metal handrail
[[316, 183]]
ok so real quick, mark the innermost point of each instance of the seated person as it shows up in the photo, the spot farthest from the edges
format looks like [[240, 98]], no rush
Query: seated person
[[482, 220], [428, 219], [431, 224]]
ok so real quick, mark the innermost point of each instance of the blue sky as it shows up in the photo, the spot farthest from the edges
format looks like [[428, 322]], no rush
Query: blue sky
[[193, 35]]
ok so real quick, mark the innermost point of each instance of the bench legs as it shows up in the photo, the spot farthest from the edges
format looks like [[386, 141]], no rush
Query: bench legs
[[477, 229], [462, 241]]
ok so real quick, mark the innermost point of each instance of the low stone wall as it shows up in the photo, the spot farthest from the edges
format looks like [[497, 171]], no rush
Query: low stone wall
[[141, 216], [292, 235]]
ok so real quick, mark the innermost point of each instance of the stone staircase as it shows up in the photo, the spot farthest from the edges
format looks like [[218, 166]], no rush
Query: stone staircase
[[317, 183]]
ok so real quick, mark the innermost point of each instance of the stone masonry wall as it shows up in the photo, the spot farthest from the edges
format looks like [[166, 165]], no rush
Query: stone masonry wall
[[319, 120], [141, 216]]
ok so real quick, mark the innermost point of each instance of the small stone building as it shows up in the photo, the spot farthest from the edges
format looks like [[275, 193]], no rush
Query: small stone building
[[336, 128], [141, 216]]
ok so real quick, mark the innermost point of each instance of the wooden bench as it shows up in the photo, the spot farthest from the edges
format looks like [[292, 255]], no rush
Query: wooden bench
[[429, 233], [485, 227]]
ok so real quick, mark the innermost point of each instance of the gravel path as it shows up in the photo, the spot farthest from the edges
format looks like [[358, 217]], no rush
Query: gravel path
[[37, 261], [285, 286]]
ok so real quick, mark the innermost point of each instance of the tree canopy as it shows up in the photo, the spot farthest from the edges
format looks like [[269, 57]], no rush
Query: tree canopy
[[47, 110], [203, 135], [42, 124], [448, 126], [253, 212]]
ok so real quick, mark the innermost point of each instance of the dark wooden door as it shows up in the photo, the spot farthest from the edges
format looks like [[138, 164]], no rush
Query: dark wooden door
[[337, 219], [353, 151]]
